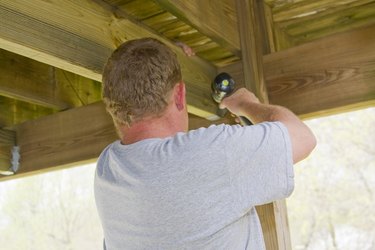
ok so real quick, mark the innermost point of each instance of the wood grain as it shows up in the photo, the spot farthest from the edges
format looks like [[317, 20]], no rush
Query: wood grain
[[216, 19], [14, 111], [79, 37], [27, 80], [295, 10], [31, 83], [324, 77], [78, 135], [329, 74], [251, 46], [253, 30], [331, 21]]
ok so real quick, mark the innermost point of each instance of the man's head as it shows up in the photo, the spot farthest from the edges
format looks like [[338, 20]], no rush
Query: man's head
[[138, 79]]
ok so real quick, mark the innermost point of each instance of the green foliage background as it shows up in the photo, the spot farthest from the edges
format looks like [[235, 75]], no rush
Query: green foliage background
[[333, 205]]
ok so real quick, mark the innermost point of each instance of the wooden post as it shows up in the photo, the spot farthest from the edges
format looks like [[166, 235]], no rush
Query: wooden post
[[250, 15]]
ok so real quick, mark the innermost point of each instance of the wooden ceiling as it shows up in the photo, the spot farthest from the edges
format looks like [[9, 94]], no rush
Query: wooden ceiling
[[53, 51], [318, 56]]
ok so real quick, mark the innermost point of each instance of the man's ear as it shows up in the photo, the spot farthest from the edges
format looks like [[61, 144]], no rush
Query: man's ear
[[180, 95]]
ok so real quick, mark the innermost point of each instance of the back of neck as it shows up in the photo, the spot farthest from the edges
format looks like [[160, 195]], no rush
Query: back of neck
[[147, 129]]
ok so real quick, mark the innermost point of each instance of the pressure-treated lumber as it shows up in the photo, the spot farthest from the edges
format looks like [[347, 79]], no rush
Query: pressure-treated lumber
[[249, 25], [337, 18], [74, 136], [294, 10], [27, 80], [327, 76], [298, 22], [78, 36], [252, 28], [13, 112], [216, 19], [333, 74], [33, 82], [30, 89]]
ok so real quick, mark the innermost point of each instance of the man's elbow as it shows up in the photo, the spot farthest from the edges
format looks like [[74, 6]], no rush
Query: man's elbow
[[311, 143], [305, 146]]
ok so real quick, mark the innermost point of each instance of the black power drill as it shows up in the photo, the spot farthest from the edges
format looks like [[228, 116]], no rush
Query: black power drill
[[222, 86]]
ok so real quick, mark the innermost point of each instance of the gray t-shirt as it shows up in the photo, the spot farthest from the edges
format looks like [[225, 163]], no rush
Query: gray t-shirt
[[196, 190]]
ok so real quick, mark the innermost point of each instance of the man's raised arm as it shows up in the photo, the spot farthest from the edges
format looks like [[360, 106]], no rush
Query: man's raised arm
[[244, 103]]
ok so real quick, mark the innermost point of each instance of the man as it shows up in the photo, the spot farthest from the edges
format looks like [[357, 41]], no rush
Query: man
[[162, 187]]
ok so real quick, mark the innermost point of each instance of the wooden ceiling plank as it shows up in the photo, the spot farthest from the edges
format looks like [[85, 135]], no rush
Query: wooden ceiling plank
[[140, 9], [45, 42], [307, 8], [326, 23], [79, 135], [79, 37], [216, 19]]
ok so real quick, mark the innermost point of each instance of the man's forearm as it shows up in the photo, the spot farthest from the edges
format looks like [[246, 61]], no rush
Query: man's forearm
[[245, 103], [303, 140], [258, 112]]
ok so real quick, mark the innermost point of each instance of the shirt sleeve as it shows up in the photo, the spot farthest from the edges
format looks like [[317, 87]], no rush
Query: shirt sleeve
[[259, 159]]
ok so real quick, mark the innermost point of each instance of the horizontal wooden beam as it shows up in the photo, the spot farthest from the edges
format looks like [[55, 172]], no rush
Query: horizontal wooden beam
[[28, 80], [76, 135], [332, 73], [79, 36], [327, 76], [15, 111], [216, 19], [29, 89]]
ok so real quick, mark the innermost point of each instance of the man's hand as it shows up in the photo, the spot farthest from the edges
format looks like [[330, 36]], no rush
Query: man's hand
[[237, 103]]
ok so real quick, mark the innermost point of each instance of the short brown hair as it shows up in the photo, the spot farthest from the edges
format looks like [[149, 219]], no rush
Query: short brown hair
[[138, 78]]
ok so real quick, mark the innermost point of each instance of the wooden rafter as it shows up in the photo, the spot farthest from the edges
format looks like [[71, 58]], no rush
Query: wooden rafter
[[327, 76], [30, 81], [79, 37], [216, 19]]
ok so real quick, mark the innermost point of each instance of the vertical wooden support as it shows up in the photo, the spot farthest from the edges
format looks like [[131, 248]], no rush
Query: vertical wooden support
[[251, 19], [7, 141], [251, 47]]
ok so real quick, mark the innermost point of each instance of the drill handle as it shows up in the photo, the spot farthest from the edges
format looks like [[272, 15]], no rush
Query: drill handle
[[244, 121]]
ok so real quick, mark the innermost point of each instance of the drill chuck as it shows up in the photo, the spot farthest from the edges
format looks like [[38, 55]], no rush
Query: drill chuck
[[222, 86]]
